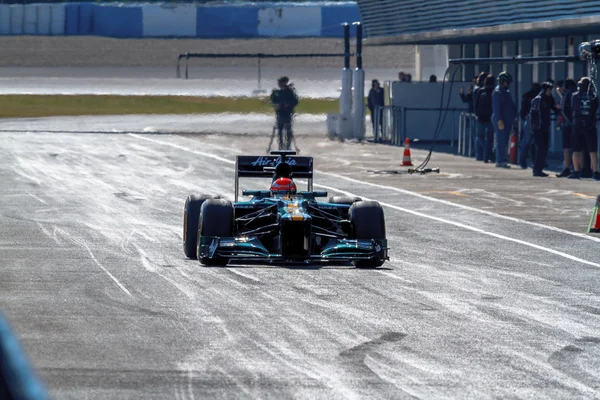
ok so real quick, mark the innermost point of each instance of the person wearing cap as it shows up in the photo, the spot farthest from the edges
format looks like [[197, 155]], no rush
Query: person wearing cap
[[284, 100], [503, 117], [540, 121], [375, 103]]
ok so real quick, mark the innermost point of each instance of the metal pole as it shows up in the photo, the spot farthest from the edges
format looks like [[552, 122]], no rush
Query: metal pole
[[403, 125], [359, 33], [259, 73], [187, 57], [515, 60], [453, 128], [459, 133], [470, 134], [346, 45], [358, 103]]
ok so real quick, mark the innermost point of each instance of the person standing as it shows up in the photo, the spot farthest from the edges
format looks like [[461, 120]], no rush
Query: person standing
[[480, 83], [284, 100], [485, 128], [504, 114], [375, 103], [584, 106], [567, 126], [468, 97], [525, 146], [540, 120]]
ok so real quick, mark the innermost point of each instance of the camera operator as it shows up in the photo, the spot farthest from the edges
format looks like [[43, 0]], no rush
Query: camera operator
[[284, 100]]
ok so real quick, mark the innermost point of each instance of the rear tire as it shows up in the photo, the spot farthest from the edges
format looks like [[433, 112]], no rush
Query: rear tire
[[191, 214], [368, 222], [216, 219]]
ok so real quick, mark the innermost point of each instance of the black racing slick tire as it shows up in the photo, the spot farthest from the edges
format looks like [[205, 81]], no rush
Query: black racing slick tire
[[344, 200], [368, 222], [216, 219], [191, 215]]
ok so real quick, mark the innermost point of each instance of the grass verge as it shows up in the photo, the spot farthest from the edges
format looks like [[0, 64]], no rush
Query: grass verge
[[29, 106]]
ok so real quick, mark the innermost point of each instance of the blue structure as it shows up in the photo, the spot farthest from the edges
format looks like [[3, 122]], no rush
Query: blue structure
[[184, 20]]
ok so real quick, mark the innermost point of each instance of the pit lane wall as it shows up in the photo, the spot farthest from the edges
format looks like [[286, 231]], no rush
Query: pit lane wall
[[168, 20]]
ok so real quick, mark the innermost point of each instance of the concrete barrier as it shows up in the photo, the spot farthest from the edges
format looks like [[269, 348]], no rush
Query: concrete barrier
[[227, 22], [169, 20], [31, 19], [44, 19], [117, 21], [4, 19], [57, 19], [17, 19], [289, 21]]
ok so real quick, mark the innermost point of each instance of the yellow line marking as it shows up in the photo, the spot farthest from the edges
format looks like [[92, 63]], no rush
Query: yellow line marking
[[584, 196], [458, 194]]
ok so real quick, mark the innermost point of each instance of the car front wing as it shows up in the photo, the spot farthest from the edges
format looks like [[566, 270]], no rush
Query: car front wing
[[251, 249]]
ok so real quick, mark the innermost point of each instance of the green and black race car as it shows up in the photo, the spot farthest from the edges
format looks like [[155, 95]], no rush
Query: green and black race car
[[282, 225]]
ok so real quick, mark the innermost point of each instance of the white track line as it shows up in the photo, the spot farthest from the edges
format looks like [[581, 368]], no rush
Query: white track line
[[471, 228], [458, 224], [200, 153], [490, 213]]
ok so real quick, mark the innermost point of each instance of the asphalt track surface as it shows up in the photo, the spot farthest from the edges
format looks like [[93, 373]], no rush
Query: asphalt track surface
[[479, 299]]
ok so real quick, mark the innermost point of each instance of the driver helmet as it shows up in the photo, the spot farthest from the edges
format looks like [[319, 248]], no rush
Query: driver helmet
[[283, 186]]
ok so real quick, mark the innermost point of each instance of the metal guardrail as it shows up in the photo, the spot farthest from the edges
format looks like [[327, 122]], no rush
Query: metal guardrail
[[391, 123], [257, 56], [466, 127]]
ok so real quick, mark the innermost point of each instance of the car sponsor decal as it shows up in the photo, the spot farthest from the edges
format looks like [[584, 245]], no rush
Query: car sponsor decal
[[269, 161]]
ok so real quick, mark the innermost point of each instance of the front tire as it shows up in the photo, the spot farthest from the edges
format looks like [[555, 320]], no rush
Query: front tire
[[191, 214], [216, 219], [368, 222]]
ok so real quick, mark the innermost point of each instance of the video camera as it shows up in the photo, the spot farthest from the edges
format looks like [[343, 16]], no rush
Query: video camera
[[589, 50]]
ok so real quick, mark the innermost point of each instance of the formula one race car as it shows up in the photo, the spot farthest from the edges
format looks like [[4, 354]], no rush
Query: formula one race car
[[283, 225]]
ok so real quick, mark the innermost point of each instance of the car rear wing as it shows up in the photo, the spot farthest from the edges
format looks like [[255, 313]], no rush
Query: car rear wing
[[264, 167]]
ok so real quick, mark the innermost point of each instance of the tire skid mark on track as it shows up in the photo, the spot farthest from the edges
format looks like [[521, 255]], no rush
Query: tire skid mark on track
[[84, 244], [51, 235], [243, 275]]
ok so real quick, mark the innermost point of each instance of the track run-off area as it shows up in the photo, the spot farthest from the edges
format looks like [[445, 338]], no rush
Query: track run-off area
[[491, 291]]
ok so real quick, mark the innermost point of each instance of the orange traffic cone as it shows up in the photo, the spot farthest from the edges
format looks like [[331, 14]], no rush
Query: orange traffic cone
[[406, 162], [595, 221]]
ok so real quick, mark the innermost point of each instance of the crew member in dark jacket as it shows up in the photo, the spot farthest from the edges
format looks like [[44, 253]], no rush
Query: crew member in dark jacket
[[485, 128], [584, 106], [480, 84], [540, 119], [525, 145], [468, 97], [566, 126], [284, 100], [375, 103], [505, 112]]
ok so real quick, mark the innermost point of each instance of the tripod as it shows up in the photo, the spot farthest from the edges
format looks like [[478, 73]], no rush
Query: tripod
[[284, 139]]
